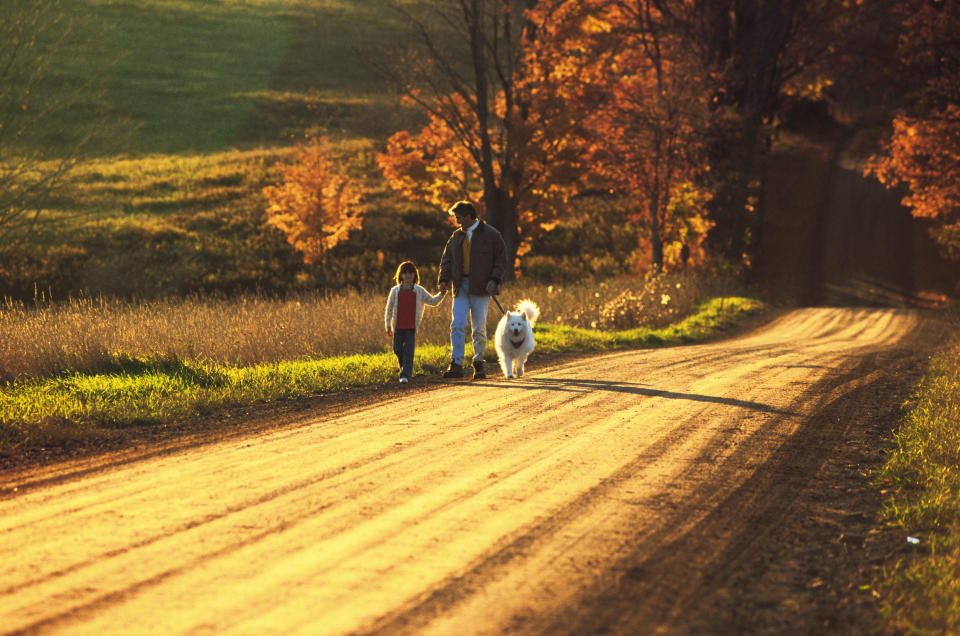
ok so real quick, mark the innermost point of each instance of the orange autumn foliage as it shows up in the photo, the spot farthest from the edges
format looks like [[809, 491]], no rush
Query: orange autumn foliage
[[495, 134], [432, 165], [442, 163], [316, 203], [924, 155], [643, 111], [601, 98]]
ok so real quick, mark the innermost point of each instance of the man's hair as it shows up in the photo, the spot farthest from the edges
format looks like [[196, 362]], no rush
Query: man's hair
[[408, 266], [463, 207]]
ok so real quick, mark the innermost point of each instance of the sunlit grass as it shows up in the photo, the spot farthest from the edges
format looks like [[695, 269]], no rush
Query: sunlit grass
[[86, 334], [922, 595], [76, 370], [102, 196], [152, 391]]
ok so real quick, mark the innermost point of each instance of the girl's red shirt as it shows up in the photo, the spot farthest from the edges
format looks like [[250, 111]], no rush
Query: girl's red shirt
[[406, 309]]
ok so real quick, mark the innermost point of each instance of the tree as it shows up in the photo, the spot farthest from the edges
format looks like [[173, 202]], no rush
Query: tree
[[923, 153], [640, 95], [752, 51], [491, 134], [651, 129], [640, 100], [316, 202], [433, 165], [695, 88]]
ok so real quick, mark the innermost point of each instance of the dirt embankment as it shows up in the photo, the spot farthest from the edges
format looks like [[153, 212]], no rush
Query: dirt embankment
[[717, 488]]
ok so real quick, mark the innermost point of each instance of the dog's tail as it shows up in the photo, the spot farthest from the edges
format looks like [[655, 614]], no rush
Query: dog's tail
[[530, 309]]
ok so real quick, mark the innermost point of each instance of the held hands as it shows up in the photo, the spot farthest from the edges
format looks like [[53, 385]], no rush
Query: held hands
[[492, 288]]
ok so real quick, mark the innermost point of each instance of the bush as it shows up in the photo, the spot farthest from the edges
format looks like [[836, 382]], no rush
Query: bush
[[661, 300]]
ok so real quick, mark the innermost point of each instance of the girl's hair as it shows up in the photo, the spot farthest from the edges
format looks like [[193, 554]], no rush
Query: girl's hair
[[408, 266]]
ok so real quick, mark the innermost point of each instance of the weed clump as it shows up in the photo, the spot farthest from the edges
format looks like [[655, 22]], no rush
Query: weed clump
[[661, 300]]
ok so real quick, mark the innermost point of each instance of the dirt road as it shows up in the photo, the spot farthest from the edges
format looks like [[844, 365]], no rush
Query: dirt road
[[660, 491]]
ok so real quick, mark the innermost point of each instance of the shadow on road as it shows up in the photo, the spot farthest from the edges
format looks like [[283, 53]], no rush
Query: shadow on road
[[583, 386]]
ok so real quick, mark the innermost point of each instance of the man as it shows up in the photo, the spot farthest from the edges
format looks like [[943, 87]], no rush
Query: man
[[473, 262]]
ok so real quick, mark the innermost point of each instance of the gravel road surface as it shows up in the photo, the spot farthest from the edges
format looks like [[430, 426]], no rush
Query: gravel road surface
[[632, 492]]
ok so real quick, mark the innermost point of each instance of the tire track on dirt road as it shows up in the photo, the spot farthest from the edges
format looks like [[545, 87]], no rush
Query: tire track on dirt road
[[702, 558], [613, 490]]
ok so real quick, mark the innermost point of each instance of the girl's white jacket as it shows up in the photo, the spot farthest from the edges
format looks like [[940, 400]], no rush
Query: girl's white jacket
[[423, 296]]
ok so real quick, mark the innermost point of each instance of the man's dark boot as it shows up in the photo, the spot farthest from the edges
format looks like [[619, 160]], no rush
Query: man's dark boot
[[453, 371], [478, 373]]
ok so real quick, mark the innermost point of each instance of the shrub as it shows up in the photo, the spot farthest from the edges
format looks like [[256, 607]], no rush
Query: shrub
[[661, 300], [316, 203]]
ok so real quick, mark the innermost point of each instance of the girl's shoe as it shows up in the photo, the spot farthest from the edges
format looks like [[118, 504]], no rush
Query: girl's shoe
[[404, 380]]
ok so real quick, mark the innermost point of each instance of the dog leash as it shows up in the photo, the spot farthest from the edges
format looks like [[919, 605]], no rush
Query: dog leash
[[499, 306]]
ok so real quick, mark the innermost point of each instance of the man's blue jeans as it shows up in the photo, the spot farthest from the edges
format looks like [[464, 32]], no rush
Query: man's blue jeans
[[474, 307]]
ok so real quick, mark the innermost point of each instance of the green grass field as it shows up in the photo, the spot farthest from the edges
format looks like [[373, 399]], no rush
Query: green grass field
[[176, 112], [189, 104], [193, 76]]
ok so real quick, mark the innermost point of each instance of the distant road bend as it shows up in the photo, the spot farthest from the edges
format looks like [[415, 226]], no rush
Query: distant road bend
[[610, 491]]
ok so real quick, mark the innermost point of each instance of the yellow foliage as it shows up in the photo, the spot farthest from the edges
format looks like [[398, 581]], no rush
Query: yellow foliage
[[316, 203]]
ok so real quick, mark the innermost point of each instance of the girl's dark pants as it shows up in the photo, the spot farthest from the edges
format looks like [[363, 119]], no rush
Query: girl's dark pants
[[404, 342]]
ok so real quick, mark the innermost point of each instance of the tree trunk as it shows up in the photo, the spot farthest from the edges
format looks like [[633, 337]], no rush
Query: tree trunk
[[501, 213], [735, 160], [746, 40], [656, 237], [501, 207]]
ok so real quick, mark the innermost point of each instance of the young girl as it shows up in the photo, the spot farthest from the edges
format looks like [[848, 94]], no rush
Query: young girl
[[403, 313]]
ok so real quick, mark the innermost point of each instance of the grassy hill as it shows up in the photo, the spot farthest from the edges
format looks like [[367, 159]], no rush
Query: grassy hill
[[176, 111], [191, 76]]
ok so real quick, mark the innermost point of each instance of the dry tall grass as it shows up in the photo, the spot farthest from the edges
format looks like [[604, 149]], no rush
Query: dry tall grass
[[87, 335]]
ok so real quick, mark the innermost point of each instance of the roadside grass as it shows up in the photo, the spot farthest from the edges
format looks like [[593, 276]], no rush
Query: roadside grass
[[124, 390], [155, 391], [921, 595], [86, 335], [709, 318]]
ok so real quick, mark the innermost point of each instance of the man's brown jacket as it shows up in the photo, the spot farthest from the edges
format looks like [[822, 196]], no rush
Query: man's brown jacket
[[488, 259]]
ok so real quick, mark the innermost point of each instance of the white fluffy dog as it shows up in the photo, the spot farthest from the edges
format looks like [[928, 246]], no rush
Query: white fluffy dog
[[514, 337]]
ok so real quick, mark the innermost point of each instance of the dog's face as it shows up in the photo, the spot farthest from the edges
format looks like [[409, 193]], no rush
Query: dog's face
[[517, 325]]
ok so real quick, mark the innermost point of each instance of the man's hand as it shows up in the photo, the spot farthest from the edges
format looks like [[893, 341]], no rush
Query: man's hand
[[442, 287], [389, 333], [492, 288]]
